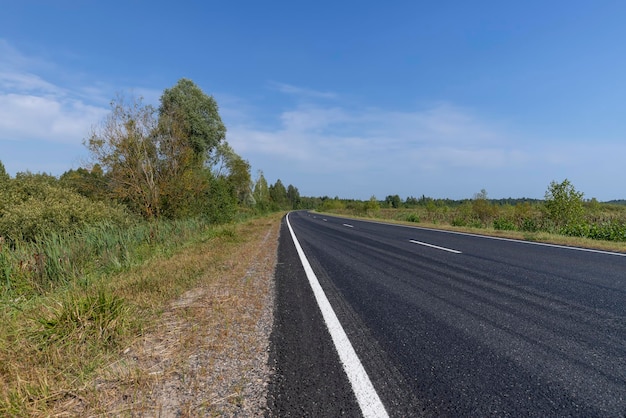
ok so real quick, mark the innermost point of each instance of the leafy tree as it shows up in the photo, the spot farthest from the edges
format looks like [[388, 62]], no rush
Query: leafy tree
[[125, 146], [411, 201], [372, 204], [89, 183], [564, 205], [261, 193], [227, 164], [278, 195], [393, 201], [482, 208], [189, 116], [293, 195], [158, 166], [4, 176]]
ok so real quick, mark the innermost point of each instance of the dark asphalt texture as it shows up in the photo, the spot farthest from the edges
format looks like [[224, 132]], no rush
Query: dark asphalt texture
[[503, 329]]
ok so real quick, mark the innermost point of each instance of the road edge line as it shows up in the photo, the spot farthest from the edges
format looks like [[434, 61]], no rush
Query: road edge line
[[366, 395]]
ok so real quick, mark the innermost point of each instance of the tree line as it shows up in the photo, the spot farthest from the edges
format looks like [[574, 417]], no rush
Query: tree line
[[172, 162]]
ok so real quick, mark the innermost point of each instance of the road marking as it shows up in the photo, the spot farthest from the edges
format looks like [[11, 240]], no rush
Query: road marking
[[435, 246], [368, 399], [520, 241], [348, 225]]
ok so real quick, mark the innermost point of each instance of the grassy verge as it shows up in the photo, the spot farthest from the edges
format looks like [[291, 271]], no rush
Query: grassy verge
[[122, 343]]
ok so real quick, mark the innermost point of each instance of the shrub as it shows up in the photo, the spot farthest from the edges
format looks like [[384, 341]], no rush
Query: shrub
[[503, 224], [413, 217], [564, 205], [528, 225], [34, 206]]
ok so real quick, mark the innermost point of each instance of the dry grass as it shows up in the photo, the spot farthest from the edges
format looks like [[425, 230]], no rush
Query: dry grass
[[188, 337]]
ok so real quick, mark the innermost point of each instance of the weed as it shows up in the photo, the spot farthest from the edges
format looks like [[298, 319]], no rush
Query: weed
[[413, 217]]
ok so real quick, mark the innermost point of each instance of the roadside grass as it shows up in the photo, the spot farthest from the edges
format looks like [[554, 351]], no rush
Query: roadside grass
[[111, 343], [400, 217]]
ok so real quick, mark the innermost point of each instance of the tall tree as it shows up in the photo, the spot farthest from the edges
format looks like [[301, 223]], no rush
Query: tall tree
[[261, 192], [228, 164], [293, 195], [4, 176], [188, 115], [393, 201], [125, 147], [278, 195], [89, 183]]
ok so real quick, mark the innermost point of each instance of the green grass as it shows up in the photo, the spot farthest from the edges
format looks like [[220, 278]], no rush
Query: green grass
[[70, 303]]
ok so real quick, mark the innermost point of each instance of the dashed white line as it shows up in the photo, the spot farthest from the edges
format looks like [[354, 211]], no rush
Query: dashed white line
[[348, 225], [368, 399], [435, 246]]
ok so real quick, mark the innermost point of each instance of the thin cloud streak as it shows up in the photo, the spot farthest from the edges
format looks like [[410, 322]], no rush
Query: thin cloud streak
[[327, 136], [302, 92]]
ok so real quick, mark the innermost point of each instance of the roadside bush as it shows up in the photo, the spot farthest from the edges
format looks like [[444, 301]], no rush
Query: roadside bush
[[528, 225], [564, 205], [504, 224], [413, 217], [33, 207], [611, 230]]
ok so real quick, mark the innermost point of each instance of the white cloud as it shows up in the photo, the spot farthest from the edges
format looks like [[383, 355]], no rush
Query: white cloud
[[336, 137], [442, 150], [34, 108], [26, 117]]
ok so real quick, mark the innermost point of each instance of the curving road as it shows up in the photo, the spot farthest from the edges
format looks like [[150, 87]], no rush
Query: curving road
[[447, 324]]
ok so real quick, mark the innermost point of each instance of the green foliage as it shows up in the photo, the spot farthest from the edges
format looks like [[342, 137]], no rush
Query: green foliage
[[332, 204], [564, 205], [413, 217], [127, 149], [89, 183], [221, 202], [230, 166], [176, 166], [278, 196], [610, 230], [261, 193], [503, 223], [393, 201], [32, 206], [4, 176], [372, 205], [293, 196], [189, 115]]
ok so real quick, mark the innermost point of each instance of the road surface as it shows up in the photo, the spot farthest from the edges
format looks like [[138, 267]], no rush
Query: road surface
[[446, 324]]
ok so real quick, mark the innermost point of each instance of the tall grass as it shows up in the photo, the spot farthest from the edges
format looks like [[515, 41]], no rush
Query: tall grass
[[57, 259], [70, 303]]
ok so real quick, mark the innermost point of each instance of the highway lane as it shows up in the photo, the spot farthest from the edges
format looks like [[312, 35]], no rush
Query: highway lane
[[458, 325]]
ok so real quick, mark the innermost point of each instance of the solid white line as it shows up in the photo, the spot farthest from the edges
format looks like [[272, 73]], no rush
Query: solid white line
[[435, 246], [368, 399], [348, 225]]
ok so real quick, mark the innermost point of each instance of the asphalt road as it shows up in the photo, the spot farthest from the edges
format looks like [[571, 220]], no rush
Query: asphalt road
[[448, 324]]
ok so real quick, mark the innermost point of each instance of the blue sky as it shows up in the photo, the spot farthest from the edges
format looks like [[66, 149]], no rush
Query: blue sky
[[339, 98]]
